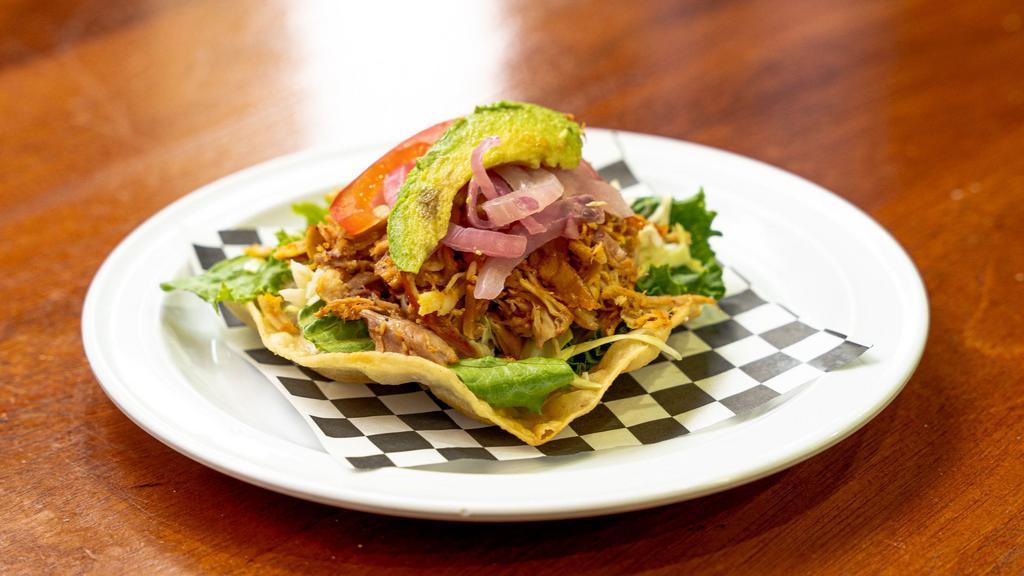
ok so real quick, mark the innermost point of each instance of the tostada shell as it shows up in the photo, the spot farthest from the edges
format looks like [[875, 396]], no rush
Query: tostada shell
[[561, 408]]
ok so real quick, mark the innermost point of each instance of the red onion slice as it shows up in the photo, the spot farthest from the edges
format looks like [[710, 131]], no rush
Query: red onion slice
[[571, 229], [473, 198], [476, 161], [491, 278], [487, 242], [532, 226], [562, 216], [517, 177], [472, 195], [509, 208], [575, 208], [580, 209], [490, 281], [499, 183], [532, 191], [578, 182], [588, 169]]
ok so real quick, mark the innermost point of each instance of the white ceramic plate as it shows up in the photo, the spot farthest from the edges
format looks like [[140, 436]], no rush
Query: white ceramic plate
[[160, 359]]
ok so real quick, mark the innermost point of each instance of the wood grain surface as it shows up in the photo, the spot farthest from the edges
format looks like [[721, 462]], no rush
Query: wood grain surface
[[912, 110]]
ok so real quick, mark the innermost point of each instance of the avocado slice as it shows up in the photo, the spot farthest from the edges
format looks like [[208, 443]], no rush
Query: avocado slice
[[530, 135]]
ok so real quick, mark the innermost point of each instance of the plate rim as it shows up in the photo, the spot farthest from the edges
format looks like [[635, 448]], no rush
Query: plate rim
[[442, 508]]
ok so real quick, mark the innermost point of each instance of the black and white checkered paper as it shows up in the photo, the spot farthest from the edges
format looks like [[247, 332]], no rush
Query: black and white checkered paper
[[741, 357]]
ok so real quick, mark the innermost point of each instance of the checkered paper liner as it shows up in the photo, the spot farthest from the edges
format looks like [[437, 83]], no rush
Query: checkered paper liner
[[741, 357]]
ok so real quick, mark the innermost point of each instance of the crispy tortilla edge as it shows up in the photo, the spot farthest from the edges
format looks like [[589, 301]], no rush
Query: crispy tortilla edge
[[535, 429]]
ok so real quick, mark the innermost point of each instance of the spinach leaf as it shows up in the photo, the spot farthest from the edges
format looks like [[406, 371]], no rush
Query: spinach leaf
[[238, 279], [693, 215], [313, 212], [514, 384], [332, 334]]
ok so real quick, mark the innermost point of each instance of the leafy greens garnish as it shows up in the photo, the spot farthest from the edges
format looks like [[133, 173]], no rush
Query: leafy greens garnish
[[682, 280], [313, 212], [583, 362], [284, 237], [332, 334], [239, 279], [514, 384], [693, 215]]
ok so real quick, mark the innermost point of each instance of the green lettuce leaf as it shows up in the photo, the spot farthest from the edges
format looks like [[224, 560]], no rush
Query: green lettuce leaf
[[313, 212], [283, 237], [514, 384], [332, 334], [682, 280], [239, 279], [694, 216]]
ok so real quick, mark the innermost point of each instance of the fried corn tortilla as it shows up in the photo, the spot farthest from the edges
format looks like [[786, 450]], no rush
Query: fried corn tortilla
[[561, 408]]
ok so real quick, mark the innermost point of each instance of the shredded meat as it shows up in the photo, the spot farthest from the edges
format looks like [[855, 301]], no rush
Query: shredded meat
[[388, 272], [556, 272], [336, 247], [380, 247], [314, 241], [352, 307], [642, 311], [584, 285], [585, 318], [548, 315], [612, 248], [472, 328], [563, 285], [291, 250], [444, 328], [608, 320], [334, 283], [406, 337], [509, 343], [438, 269], [273, 314]]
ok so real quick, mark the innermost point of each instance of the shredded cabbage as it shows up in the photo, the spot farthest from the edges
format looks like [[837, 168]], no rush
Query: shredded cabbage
[[645, 338], [662, 212]]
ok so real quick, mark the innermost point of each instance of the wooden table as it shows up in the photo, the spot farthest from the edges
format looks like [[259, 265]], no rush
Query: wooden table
[[914, 111]]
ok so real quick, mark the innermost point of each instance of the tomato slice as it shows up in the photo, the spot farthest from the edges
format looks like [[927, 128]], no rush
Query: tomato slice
[[353, 206]]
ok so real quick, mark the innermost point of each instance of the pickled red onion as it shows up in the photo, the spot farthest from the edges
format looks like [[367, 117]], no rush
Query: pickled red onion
[[487, 242]]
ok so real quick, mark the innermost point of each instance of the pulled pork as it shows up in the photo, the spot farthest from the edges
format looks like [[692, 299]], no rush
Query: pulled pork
[[570, 283], [567, 287], [397, 335], [273, 314]]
